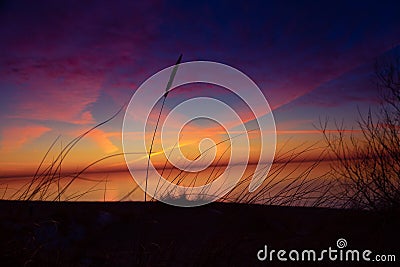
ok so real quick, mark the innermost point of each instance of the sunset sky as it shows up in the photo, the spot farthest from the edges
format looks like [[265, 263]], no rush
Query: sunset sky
[[66, 66]]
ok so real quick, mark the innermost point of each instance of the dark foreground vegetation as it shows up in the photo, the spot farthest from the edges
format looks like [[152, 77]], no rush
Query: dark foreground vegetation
[[156, 234]]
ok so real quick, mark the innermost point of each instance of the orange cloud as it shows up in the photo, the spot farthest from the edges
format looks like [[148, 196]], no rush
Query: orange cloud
[[85, 118], [15, 137], [101, 139]]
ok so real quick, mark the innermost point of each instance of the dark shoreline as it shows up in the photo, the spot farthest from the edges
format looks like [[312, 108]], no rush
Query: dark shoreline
[[156, 234]]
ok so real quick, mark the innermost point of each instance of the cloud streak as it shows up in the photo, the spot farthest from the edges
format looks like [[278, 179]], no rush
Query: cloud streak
[[14, 138]]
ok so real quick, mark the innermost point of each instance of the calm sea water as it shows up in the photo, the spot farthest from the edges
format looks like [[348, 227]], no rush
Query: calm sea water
[[284, 182]]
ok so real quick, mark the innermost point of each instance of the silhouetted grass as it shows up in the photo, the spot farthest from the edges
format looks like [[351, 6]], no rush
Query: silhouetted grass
[[51, 175], [300, 186]]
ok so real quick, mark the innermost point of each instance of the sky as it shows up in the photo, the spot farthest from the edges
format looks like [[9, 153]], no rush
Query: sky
[[68, 65]]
